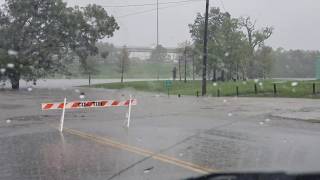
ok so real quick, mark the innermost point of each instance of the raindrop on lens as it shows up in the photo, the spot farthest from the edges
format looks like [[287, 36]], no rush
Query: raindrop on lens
[[10, 65], [215, 84], [293, 84], [12, 52], [29, 89], [146, 171], [2, 70], [82, 96], [8, 121]]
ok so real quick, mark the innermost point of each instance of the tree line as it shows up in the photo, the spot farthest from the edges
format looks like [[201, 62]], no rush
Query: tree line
[[237, 50], [294, 63], [236, 47], [274, 63]]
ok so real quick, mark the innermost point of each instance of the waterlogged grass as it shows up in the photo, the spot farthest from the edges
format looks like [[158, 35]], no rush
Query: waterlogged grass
[[264, 88]]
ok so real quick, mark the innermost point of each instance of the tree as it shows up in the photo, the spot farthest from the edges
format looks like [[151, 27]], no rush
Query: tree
[[264, 57], [255, 39], [232, 43], [94, 24], [228, 42], [185, 50], [224, 42], [159, 54], [90, 68], [108, 52], [4, 62], [123, 62], [28, 36], [40, 35], [104, 54]]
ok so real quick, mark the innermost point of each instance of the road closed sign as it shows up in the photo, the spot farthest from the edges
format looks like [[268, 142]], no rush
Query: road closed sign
[[87, 104]]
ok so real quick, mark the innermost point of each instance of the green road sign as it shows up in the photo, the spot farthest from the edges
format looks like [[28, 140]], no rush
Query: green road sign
[[318, 68], [168, 84]]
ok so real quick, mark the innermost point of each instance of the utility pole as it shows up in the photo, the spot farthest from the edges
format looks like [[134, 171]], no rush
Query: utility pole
[[89, 79], [180, 57], [193, 66], [205, 52], [157, 23], [185, 64], [122, 68], [158, 38]]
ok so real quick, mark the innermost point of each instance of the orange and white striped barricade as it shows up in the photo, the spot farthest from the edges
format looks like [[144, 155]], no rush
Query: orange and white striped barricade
[[89, 104]]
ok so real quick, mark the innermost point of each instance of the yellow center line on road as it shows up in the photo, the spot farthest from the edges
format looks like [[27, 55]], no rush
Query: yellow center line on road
[[140, 151]]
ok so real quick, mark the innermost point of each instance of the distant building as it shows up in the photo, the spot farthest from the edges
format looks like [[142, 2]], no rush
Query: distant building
[[144, 53]]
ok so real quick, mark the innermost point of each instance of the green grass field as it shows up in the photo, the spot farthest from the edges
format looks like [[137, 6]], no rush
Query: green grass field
[[265, 88]]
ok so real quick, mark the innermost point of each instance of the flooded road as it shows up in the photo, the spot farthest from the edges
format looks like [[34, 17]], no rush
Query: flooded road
[[169, 138], [69, 83]]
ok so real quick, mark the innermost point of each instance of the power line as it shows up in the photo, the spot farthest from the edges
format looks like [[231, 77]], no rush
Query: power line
[[154, 9], [148, 4], [140, 12]]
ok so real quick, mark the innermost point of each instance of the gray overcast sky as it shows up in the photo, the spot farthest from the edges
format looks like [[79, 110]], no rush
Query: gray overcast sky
[[296, 22]]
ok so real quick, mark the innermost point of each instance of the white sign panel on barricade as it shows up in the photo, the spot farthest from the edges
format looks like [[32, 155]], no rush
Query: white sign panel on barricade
[[87, 104]]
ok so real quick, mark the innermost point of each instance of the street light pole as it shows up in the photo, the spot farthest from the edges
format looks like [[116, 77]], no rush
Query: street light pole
[[205, 52], [157, 22], [185, 64], [158, 38], [180, 57], [193, 66]]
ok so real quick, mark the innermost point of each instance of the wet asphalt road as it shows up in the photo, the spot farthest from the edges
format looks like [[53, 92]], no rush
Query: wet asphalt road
[[69, 83], [169, 138]]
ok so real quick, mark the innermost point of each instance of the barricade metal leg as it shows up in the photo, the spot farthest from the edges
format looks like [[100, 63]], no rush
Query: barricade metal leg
[[129, 113], [63, 113]]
